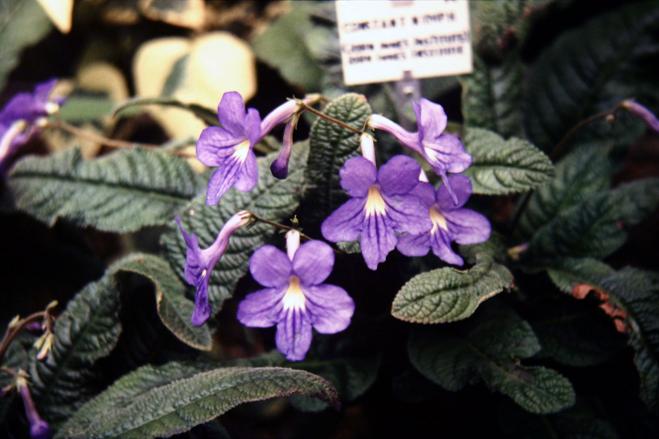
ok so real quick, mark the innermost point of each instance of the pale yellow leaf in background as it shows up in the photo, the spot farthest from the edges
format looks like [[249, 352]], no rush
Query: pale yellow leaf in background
[[60, 13], [104, 78], [196, 70]]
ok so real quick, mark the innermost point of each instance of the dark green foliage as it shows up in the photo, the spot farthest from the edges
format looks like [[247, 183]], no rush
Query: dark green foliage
[[329, 148], [173, 307], [272, 199], [121, 192], [165, 400], [501, 166], [591, 68], [206, 115], [490, 351], [491, 96], [85, 332]]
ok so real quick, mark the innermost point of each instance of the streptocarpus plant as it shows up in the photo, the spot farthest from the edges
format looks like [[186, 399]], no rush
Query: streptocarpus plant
[[386, 260]]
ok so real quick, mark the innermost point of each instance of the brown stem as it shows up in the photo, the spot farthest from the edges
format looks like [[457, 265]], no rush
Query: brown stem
[[330, 118], [287, 228], [12, 332], [112, 143], [560, 146]]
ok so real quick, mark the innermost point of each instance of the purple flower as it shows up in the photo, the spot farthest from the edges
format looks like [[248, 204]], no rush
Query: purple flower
[[229, 148], [642, 112], [39, 429], [443, 151], [295, 297], [200, 263], [21, 116], [380, 206], [449, 222]]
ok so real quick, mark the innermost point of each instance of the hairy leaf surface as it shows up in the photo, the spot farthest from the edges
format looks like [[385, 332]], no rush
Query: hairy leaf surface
[[121, 192], [173, 398], [501, 166]]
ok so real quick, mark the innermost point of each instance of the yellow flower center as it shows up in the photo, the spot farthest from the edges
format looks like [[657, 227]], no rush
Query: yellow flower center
[[438, 220], [294, 297], [375, 204], [241, 150]]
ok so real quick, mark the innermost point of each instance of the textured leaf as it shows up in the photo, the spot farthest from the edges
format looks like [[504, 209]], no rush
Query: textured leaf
[[15, 17], [504, 166], [567, 272], [271, 199], [86, 331], [575, 333], [491, 96], [206, 115], [283, 46], [490, 353], [351, 377], [121, 192], [574, 423], [637, 293], [174, 308], [589, 69], [165, 400], [498, 26], [446, 294], [329, 147], [596, 226], [581, 174]]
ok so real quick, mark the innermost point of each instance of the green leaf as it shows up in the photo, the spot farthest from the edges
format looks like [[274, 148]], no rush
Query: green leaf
[[206, 115], [121, 192], [504, 166], [15, 17], [637, 292], [351, 376], [567, 272], [579, 175], [283, 46], [490, 352], [491, 96], [174, 308], [85, 332], [162, 401], [85, 108], [591, 68], [271, 199], [329, 147], [596, 226], [446, 294], [576, 333]]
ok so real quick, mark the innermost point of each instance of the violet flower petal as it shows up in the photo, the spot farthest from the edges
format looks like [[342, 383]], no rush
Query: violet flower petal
[[467, 226], [231, 113], [215, 144], [248, 175], [408, 213], [441, 247], [430, 118], [259, 309], [377, 239], [414, 245], [357, 175], [460, 185], [345, 223], [202, 307], [331, 308], [253, 126], [399, 175], [313, 262], [270, 266], [222, 179], [293, 336]]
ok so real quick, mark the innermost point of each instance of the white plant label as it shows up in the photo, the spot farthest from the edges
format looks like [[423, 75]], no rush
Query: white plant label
[[382, 39]]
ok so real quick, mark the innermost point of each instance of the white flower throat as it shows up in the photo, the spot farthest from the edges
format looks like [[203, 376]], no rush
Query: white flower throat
[[241, 151], [375, 204], [438, 220], [294, 296]]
